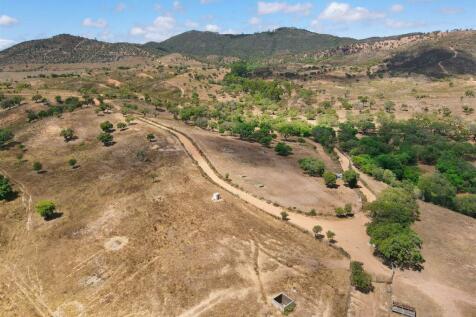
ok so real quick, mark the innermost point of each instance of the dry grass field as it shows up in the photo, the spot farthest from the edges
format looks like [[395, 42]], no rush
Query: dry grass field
[[260, 171], [144, 238]]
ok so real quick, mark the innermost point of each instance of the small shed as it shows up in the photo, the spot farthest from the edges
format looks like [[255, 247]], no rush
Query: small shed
[[216, 197], [282, 301]]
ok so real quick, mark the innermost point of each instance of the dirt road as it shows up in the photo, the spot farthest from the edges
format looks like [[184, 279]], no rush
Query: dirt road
[[350, 233]]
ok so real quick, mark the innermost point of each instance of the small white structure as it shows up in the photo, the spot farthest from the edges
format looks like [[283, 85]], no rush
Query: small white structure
[[282, 301], [216, 197]]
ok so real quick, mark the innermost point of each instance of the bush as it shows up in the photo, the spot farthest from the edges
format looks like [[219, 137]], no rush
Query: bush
[[5, 188], [330, 179], [106, 126], [67, 134], [121, 125], [344, 212], [283, 149], [46, 209], [284, 216], [37, 167], [466, 204], [325, 136], [317, 229], [312, 166], [437, 189], [105, 138], [5, 136], [351, 178], [361, 280], [72, 162]]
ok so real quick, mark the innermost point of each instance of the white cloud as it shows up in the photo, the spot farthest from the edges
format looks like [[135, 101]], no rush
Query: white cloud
[[177, 5], [212, 28], [191, 24], [254, 21], [397, 8], [99, 23], [6, 20], [283, 7], [451, 10], [394, 24], [6, 44], [344, 12], [206, 1], [162, 28], [120, 7]]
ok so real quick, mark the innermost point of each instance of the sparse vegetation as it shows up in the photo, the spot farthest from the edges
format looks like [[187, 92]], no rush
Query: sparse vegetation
[[46, 209]]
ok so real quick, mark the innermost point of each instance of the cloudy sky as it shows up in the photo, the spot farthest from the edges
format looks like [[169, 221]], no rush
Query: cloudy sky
[[156, 20]]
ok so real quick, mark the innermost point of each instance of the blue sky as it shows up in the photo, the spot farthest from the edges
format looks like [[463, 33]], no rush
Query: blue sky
[[156, 20]]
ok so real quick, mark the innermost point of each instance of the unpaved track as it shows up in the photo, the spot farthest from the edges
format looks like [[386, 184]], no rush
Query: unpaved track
[[350, 233]]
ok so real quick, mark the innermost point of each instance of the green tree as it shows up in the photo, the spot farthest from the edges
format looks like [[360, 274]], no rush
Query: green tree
[[5, 136], [37, 167], [6, 190], [67, 134], [284, 216], [466, 204], [72, 162], [105, 138], [326, 136], [394, 205], [351, 178], [121, 125], [283, 149], [317, 229], [312, 166], [46, 209], [330, 179], [106, 126], [330, 236], [150, 137], [361, 280], [437, 189]]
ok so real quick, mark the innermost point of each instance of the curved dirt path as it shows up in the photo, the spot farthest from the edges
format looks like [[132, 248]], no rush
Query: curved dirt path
[[350, 233]]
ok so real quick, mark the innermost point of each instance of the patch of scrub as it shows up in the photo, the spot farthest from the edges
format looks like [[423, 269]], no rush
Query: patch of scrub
[[73, 308], [116, 243]]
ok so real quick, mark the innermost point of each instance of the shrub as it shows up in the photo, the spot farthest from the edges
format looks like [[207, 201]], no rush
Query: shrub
[[361, 280], [330, 235], [67, 134], [344, 212], [330, 179], [150, 137], [37, 166], [72, 162], [437, 189], [283, 149], [5, 188], [466, 204], [312, 166], [351, 178], [105, 138], [325, 136], [5, 136], [121, 125], [284, 216], [106, 126], [46, 209], [317, 229]]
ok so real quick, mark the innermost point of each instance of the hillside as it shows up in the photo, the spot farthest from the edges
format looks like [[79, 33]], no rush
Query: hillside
[[66, 48], [282, 40]]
